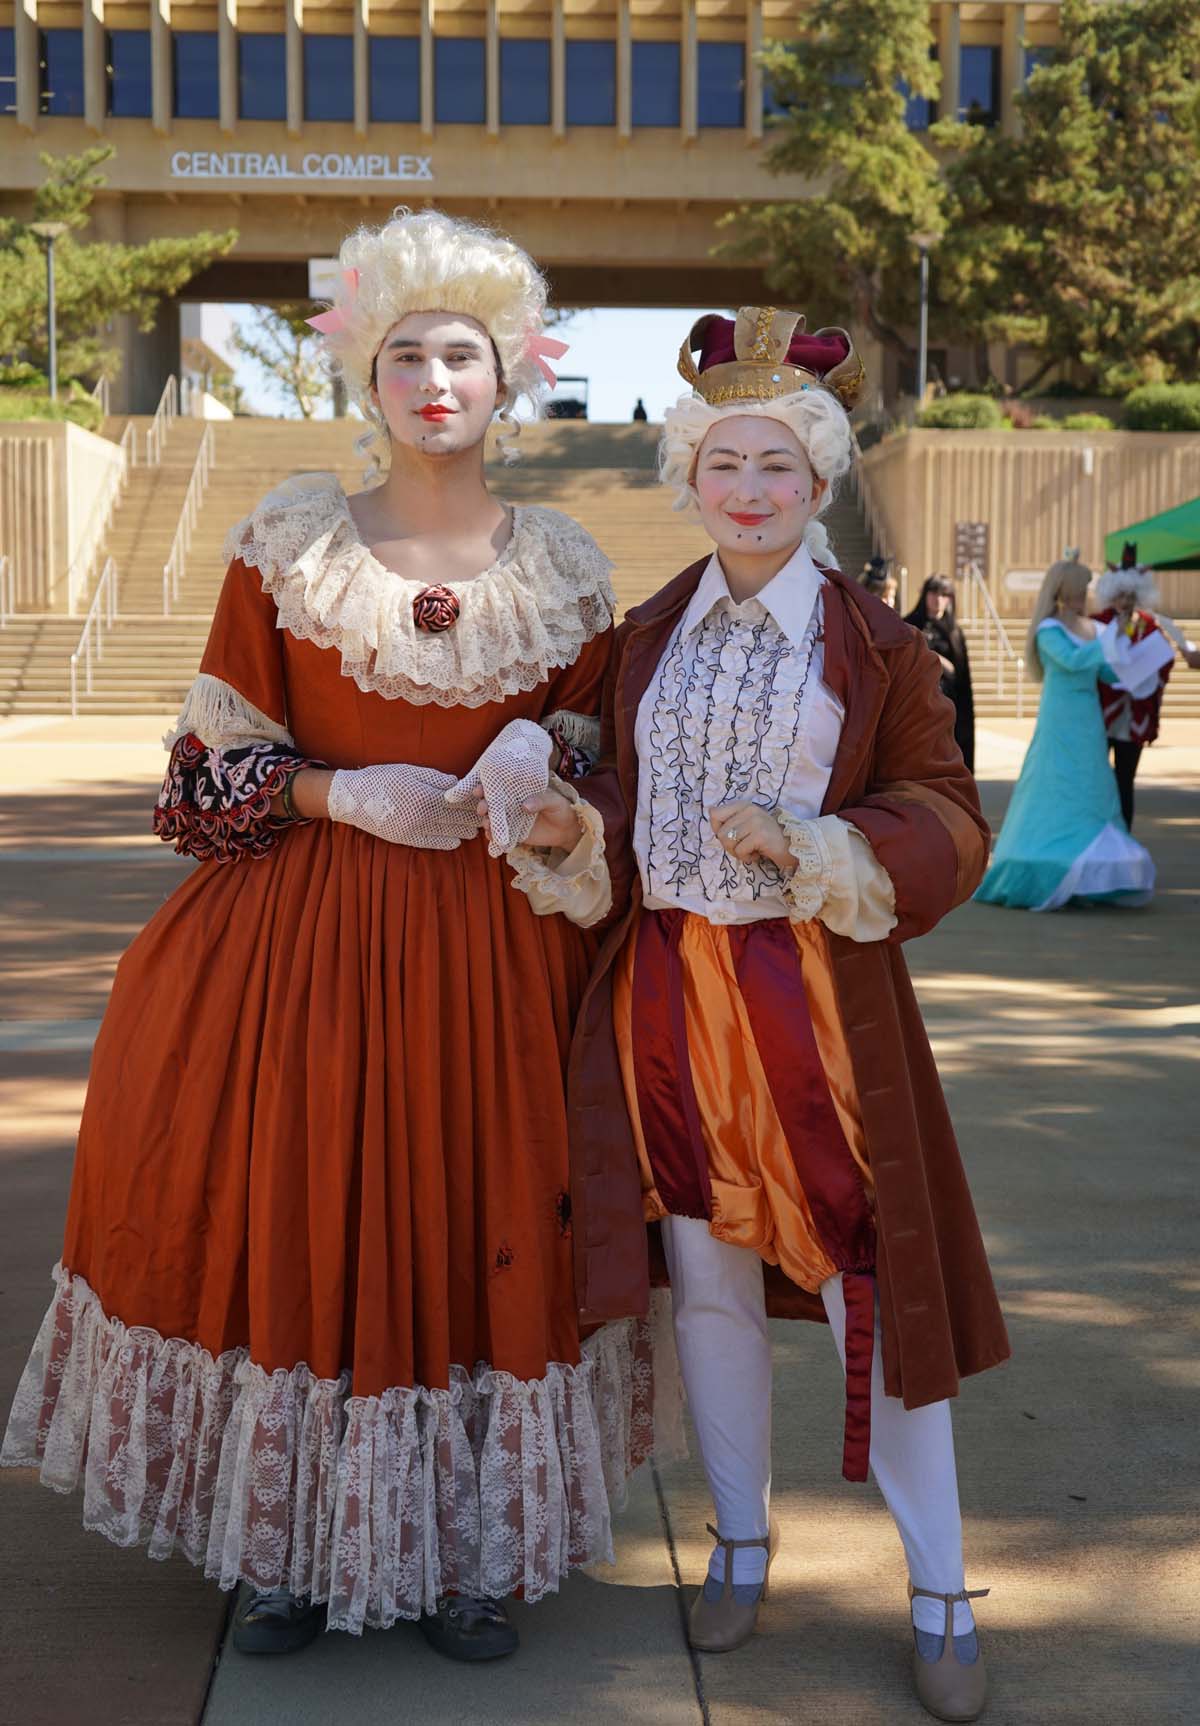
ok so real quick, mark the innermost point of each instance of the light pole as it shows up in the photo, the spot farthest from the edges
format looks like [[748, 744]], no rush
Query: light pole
[[48, 232], [923, 243]]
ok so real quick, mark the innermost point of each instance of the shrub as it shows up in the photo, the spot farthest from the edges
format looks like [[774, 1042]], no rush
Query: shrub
[[1163, 407], [1085, 422], [962, 412], [1043, 422], [80, 409]]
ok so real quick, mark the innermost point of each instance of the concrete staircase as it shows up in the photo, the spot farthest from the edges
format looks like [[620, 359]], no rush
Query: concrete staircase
[[604, 476]]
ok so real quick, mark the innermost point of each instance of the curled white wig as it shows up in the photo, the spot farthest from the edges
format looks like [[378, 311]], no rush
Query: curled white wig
[[1138, 583], [814, 417], [430, 262]]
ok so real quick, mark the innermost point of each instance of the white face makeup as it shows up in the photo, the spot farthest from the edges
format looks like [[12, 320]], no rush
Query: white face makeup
[[436, 382], [754, 486]]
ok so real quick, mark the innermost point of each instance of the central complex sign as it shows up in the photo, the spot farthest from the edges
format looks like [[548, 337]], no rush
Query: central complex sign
[[313, 165]]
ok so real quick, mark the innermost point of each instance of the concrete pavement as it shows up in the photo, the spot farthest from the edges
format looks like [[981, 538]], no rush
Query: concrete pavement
[[1068, 1047]]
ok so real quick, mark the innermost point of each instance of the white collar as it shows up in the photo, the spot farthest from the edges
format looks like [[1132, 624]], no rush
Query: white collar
[[789, 596]]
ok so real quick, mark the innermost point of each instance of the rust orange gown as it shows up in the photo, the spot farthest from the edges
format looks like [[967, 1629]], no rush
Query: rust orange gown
[[315, 1322]]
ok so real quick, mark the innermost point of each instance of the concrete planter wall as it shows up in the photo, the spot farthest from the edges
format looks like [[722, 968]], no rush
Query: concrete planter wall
[[1039, 492], [52, 476]]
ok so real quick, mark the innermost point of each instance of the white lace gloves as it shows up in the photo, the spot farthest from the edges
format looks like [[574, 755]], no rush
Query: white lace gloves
[[404, 805], [514, 768], [418, 806]]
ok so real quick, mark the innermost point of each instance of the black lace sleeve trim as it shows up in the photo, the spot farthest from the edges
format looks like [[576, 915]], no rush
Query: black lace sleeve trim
[[216, 803]]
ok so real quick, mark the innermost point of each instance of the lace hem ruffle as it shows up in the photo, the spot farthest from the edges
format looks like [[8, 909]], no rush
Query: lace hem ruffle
[[807, 887], [375, 1504], [546, 596]]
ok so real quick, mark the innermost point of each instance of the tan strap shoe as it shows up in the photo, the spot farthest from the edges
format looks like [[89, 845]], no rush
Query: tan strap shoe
[[722, 1622], [950, 1688]]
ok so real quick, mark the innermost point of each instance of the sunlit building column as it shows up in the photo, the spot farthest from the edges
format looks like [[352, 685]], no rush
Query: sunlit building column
[[427, 67], [160, 65], [1012, 68], [949, 56], [25, 48], [95, 74], [688, 55], [492, 67], [754, 76], [558, 69], [624, 70], [227, 64], [295, 66], [362, 84]]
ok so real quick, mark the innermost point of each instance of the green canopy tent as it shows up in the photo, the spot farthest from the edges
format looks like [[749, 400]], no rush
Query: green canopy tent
[[1167, 541]]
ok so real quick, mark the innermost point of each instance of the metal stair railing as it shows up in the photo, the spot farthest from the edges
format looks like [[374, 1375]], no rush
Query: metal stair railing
[[101, 615], [165, 415], [175, 566], [79, 571], [8, 590], [977, 588]]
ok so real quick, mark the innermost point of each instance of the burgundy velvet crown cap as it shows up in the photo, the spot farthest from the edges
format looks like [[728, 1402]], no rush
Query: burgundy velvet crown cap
[[765, 353]]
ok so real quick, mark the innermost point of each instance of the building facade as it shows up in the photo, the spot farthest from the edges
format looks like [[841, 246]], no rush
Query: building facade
[[608, 136]]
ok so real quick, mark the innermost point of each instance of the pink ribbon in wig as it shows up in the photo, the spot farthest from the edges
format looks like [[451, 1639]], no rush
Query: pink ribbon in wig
[[541, 349], [333, 322]]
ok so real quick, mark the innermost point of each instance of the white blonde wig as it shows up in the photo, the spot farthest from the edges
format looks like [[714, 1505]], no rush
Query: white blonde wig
[[1138, 583], [1067, 575], [430, 262], [814, 417]]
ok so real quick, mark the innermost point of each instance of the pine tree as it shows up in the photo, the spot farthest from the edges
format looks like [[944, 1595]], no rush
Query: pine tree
[[1082, 237], [842, 245], [95, 280]]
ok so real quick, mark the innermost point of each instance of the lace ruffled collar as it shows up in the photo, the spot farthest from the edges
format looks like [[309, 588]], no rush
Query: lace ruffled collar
[[546, 595]]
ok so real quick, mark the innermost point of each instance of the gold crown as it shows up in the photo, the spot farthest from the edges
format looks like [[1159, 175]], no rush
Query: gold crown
[[761, 370]]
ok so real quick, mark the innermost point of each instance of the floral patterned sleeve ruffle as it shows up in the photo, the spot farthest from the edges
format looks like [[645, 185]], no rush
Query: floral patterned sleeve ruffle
[[216, 803]]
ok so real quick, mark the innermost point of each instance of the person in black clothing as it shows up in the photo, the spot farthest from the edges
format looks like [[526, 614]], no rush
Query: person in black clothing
[[639, 412], [933, 615]]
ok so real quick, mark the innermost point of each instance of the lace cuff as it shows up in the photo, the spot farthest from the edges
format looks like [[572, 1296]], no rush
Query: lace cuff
[[216, 803], [575, 883], [838, 878], [576, 743]]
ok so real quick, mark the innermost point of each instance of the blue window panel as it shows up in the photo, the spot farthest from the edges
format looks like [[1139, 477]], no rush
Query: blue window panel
[[197, 79], [459, 90], [920, 112], [129, 74], [394, 78], [8, 70], [524, 82], [262, 75], [328, 77], [721, 84], [979, 85], [60, 89], [1035, 57], [656, 83], [591, 83]]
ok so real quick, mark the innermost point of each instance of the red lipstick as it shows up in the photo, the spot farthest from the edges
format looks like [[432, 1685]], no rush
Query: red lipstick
[[746, 520], [435, 411]]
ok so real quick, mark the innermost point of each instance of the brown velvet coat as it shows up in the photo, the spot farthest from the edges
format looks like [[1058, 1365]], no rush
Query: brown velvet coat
[[899, 778]]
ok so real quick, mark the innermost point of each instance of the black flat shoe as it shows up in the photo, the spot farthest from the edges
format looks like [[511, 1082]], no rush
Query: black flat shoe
[[273, 1621], [464, 1628]]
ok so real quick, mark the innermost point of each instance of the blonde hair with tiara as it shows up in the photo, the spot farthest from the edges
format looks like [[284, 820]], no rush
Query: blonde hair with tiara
[[815, 418], [1069, 573], [430, 262]]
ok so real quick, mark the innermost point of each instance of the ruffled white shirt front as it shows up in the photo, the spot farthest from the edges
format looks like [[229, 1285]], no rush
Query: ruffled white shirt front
[[737, 711]]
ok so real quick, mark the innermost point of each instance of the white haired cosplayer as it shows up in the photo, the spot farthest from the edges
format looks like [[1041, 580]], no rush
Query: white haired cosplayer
[[1139, 583], [430, 262], [814, 417]]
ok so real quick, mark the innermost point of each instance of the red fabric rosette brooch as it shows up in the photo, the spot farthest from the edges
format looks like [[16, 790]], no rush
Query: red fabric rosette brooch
[[435, 609]]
